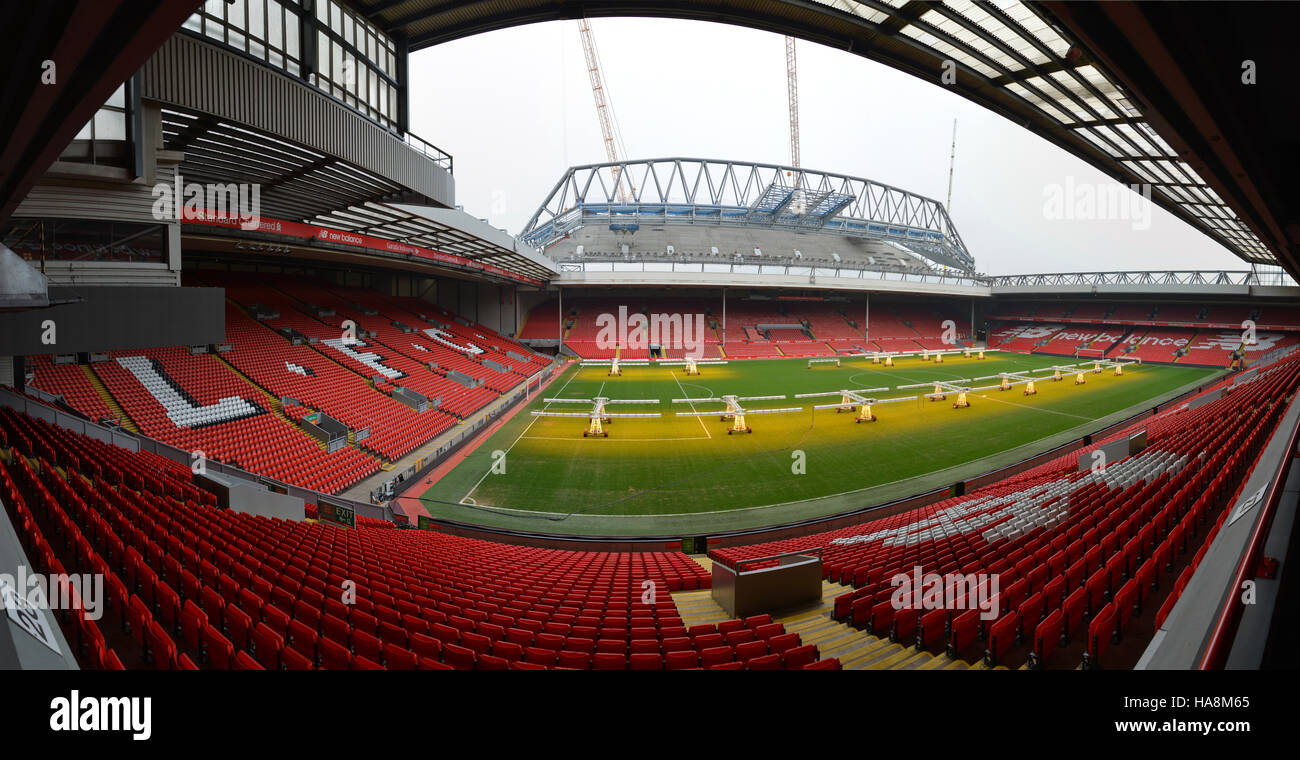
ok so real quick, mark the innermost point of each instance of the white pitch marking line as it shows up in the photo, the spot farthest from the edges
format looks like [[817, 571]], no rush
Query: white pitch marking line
[[1036, 408], [692, 403], [559, 394], [624, 440]]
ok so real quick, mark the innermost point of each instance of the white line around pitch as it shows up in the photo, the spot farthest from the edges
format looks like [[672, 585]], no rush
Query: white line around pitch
[[471, 491]]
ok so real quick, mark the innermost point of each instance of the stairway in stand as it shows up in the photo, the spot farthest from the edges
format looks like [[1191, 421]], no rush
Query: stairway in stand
[[109, 401], [855, 649]]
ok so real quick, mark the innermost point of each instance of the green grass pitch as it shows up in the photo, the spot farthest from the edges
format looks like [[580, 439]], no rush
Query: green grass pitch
[[686, 474]]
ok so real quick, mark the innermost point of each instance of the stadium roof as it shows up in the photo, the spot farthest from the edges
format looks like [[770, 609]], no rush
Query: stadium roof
[[1022, 60], [698, 191], [446, 230]]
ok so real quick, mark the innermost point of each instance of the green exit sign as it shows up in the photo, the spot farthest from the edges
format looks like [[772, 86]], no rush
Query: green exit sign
[[337, 514]]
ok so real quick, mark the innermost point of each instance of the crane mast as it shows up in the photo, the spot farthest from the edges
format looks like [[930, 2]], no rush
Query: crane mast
[[604, 110], [952, 162], [792, 78]]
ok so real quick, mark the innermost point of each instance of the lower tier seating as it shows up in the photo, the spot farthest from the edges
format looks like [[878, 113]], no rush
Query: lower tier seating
[[189, 586], [1074, 553]]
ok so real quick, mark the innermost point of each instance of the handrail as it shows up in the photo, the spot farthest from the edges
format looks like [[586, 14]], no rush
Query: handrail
[[813, 269], [430, 151], [1225, 628], [816, 550]]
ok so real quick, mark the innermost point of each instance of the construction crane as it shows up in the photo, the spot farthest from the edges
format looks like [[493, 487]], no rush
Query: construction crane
[[792, 77], [952, 162], [609, 130]]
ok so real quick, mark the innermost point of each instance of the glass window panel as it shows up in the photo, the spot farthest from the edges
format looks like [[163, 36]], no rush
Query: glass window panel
[[235, 16], [257, 50], [257, 18], [118, 98], [291, 36], [276, 59], [194, 23], [275, 25], [87, 132], [110, 125], [237, 40]]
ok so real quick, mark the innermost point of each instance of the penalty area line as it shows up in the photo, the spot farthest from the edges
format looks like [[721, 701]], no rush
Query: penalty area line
[[1035, 408]]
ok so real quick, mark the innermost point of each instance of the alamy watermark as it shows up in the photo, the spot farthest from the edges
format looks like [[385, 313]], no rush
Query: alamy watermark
[[1103, 201], [679, 332], [181, 201], [54, 591]]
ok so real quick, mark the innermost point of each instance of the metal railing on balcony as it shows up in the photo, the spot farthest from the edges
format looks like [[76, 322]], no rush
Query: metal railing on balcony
[[430, 151], [750, 266]]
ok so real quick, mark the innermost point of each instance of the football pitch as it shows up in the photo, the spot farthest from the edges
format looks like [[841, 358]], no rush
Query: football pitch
[[687, 474]]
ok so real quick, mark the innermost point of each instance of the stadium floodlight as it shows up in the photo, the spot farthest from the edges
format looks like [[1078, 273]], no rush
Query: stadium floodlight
[[1007, 381], [597, 418], [735, 411], [852, 399], [942, 388]]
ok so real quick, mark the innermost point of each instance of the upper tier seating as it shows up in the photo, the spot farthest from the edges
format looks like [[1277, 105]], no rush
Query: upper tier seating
[[302, 373], [197, 404], [69, 381], [373, 357], [542, 322]]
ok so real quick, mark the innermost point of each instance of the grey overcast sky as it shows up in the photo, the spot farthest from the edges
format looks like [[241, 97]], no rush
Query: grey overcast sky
[[515, 109]]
